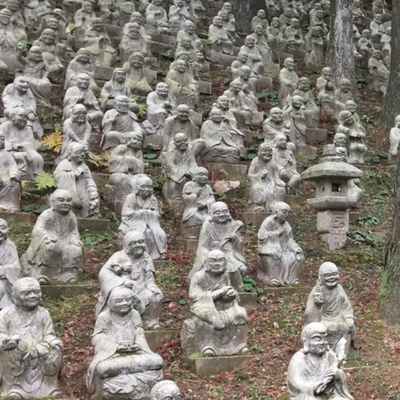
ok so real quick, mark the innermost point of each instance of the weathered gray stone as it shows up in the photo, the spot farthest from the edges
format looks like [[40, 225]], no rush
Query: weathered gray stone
[[205, 87], [159, 337], [257, 218], [20, 217], [232, 172], [305, 152], [316, 135], [94, 224]]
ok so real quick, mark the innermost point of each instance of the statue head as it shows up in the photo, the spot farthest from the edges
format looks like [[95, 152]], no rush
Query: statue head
[[19, 117], [122, 301], [249, 41], [158, 3], [327, 73], [227, 7], [397, 121], [280, 141], [13, 5], [35, 54], [288, 13], [340, 140], [21, 84], [216, 115], [122, 104], [215, 262], [162, 89], [276, 115], [313, 337], [223, 103], [87, 7], [259, 29], [261, 14], [235, 86], [48, 36], [304, 84], [180, 66], [83, 81], [224, 15], [242, 57], [76, 153], [83, 56], [275, 22], [351, 106], [144, 186], [200, 176], [119, 75], [3, 230], [5, 16], [217, 21], [289, 63], [346, 117], [133, 30], [345, 85], [297, 102], [186, 43], [189, 27], [136, 17], [79, 114], [295, 23], [135, 244], [61, 201], [245, 72], [328, 275], [366, 33], [220, 213], [136, 60], [135, 141], [97, 24], [165, 390], [182, 112], [357, 3], [52, 23], [281, 211], [378, 18], [377, 54], [319, 14], [388, 31], [26, 294], [181, 142], [265, 151]]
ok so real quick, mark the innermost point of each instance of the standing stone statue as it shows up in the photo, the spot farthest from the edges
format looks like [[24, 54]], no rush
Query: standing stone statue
[[165, 390], [134, 41], [295, 117], [123, 362], [329, 305], [314, 371], [132, 268], [311, 110], [395, 138], [324, 80], [341, 96], [10, 268], [218, 37], [315, 57], [219, 325], [198, 197], [72, 174], [275, 125], [8, 41], [140, 213], [288, 80], [255, 59], [31, 353], [137, 75], [238, 104], [379, 72], [221, 232], [113, 88], [55, 254], [280, 257], [265, 185]]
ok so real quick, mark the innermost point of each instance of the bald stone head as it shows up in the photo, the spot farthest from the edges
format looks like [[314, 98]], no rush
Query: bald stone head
[[314, 340], [165, 390], [27, 294], [328, 275]]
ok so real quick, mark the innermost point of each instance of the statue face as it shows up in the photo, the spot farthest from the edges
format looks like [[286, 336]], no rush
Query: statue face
[[78, 156], [181, 143], [201, 178], [190, 29], [348, 119], [183, 114], [28, 295], [5, 18], [62, 204], [223, 103], [134, 143], [145, 190], [357, 3], [186, 43], [265, 153], [22, 86], [297, 103], [340, 141], [83, 58], [327, 74], [134, 33], [137, 62], [216, 263], [13, 6], [121, 303], [3, 231], [290, 65], [243, 57], [281, 143], [20, 120], [281, 214], [217, 21], [120, 76], [378, 19], [236, 87], [261, 14], [304, 86], [137, 246], [80, 117], [275, 23], [136, 18], [277, 116], [224, 16], [249, 42], [83, 82], [330, 276], [378, 55], [162, 90], [87, 8], [181, 66], [367, 34], [317, 343], [220, 214], [2, 142], [345, 88], [52, 24], [122, 105], [245, 74], [216, 117], [351, 107], [48, 37]]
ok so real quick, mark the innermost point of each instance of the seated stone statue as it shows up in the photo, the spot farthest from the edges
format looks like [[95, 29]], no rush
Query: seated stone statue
[[84, 16], [8, 40], [395, 138], [265, 185], [140, 213], [280, 257], [223, 144], [156, 23], [10, 268], [365, 45], [377, 28], [73, 175], [134, 41], [341, 96], [115, 87], [249, 88], [10, 180], [260, 19], [178, 15], [198, 197], [123, 364], [379, 72], [262, 46], [156, 6], [76, 129], [275, 125], [294, 36], [221, 232], [329, 305], [165, 390], [119, 124], [255, 59], [55, 254], [311, 110], [275, 35], [314, 371], [82, 94], [288, 80], [21, 142], [314, 46], [188, 32], [178, 163], [218, 37], [133, 269], [17, 20], [28, 344], [295, 117], [224, 106], [219, 324], [284, 158], [159, 107], [237, 102], [323, 81], [241, 61], [136, 76]]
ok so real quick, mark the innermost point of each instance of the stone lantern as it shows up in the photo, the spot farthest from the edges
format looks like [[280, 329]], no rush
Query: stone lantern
[[333, 198]]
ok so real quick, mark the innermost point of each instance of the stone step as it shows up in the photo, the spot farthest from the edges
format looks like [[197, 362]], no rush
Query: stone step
[[20, 217], [232, 172], [94, 224]]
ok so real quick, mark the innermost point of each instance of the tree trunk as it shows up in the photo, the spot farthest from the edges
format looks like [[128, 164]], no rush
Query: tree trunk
[[389, 290], [245, 11], [341, 45], [391, 106]]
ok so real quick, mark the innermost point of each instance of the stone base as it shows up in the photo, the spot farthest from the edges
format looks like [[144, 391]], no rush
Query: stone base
[[333, 225], [103, 73], [191, 245], [163, 48], [166, 39], [196, 117], [57, 291], [20, 217], [230, 172], [207, 366], [221, 58], [258, 218], [205, 87], [158, 338], [305, 152], [257, 119], [248, 300], [153, 140], [94, 224], [315, 135]]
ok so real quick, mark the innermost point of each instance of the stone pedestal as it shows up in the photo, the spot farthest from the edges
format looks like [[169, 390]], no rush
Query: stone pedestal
[[103, 73], [163, 48], [258, 218], [257, 118], [315, 135], [20, 217], [305, 152], [94, 224], [196, 117], [333, 225], [205, 87], [229, 172], [191, 245], [153, 140], [158, 338], [272, 71]]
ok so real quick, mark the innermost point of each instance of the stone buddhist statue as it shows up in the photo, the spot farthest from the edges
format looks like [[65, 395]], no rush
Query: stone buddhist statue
[[198, 197], [288, 80], [255, 58], [275, 37], [123, 362], [314, 371], [140, 213], [137, 78], [84, 16], [72, 174], [28, 344], [218, 37], [115, 87], [261, 43], [165, 390], [295, 117], [219, 325], [224, 106], [8, 40], [395, 138], [133, 269], [329, 305], [311, 110], [156, 20], [265, 185], [221, 232], [55, 254], [280, 257], [238, 104], [82, 94], [188, 32], [365, 45], [275, 125], [10, 268], [178, 15], [294, 36], [324, 83], [17, 20], [314, 45], [379, 72], [134, 41], [248, 84], [341, 96], [260, 19], [119, 124]]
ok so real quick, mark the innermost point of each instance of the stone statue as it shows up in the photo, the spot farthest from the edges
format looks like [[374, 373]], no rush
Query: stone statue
[[134, 41], [241, 61], [165, 390], [280, 257], [73, 175], [262, 45], [255, 59], [218, 37], [17, 20], [341, 96], [198, 197], [395, 138], [275, 125], [224, 106], [356, 138], [155, 7], [188, 32], [329, 305], [221, 232], [10, 180], [219, 325], [284, 158], [323, 81], [288, 80], [84, 16], [238, 104], [76, 129], [55, 254], [248, 84], [21, 142], [8, 40], [315, 57], [228, 25], [365, 45], [223, 144], [265, 185], [352, 107], [178, 15], [275, 36], [156, 19], [140, 213], [294, 36], [136, 17], [123, 362], [119, 124], [295, 117], [28, 344], [159, 107], [137, 79], [313, 371], [133, 269], [358, 14], [311, 110], [178, 163], [379, 72], [260, 19], [10, 268], [82, 94], [115, 87], [377, 28]]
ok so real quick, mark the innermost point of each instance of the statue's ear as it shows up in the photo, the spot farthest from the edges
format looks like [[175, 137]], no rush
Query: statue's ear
[[305, 349]]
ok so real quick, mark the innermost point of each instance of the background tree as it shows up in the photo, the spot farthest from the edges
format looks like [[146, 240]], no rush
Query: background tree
[[244, 11]]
